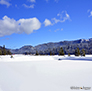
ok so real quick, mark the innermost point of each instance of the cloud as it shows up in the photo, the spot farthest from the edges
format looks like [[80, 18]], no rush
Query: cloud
[[55, 20], [90, 13], [16, 5], [47, 1], [26, 6], [4, 2], [9, 26], [28, 25], [47, 22], [56, 1], [56, 30], [88, 10], [49, 30], [33, 1], [63, 17], [61, 29]]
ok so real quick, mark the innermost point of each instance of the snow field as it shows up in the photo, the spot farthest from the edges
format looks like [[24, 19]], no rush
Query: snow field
[[44, 73]]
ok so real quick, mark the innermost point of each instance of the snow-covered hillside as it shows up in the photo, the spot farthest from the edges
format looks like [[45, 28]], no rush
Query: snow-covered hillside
[[45, 73]]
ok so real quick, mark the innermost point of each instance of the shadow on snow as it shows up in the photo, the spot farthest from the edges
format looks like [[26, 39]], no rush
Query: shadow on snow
[[76, 58]]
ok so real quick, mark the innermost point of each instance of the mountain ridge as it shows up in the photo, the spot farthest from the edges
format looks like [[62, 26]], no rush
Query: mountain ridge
[[47, 47]]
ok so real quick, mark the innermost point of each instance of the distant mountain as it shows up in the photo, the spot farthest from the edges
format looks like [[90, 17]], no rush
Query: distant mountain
[[68, 46]]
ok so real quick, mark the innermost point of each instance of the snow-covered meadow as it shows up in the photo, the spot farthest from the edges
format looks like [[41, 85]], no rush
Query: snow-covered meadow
[[45, 73]]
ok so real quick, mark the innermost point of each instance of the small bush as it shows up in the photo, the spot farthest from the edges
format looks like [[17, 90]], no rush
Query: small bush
[[11, 56]]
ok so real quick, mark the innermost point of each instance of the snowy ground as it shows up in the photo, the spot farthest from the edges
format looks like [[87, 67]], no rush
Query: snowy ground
[[45, 73]]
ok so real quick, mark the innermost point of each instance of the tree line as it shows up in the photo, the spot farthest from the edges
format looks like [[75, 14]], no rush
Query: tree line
[[61, 52], [4, 51]]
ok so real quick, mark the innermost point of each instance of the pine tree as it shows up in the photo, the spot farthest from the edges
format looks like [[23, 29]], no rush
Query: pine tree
[[53, 53], [0, 52], [50, 53], [4, 50], [37, 53], [82, 52], [68, 54], [77, 52], [8, 52], [61, 52]]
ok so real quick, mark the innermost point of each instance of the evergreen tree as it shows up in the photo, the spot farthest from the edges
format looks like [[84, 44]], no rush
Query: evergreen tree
[[8, 52], [77, 52], [4, 50], [37, 53], [53, 53], [68, 54], [61, 52], [82, 52], [26, 53], [50, 53], [0, 52]]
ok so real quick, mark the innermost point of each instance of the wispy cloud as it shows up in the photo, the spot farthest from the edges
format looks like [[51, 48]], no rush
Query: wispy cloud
[[56, 30], [55, 20], [47, 1], [26, 6], [89, 11], [53, 0], [16, 5], [4, 2], [63, 17], [49, 30], [61, 29], [90, 14], [9, 26], [33, 1], [56, 1]]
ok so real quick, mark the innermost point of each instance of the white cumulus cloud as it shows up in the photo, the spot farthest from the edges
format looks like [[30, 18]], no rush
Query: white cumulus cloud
[[4, 2], [47, 22], [28, 25], [9, 26], [30, 6]]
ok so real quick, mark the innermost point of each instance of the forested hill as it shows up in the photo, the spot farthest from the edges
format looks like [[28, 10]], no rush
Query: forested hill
[[68, 47]]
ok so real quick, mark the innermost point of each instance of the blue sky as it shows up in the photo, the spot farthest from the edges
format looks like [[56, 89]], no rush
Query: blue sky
[[33, 22]]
